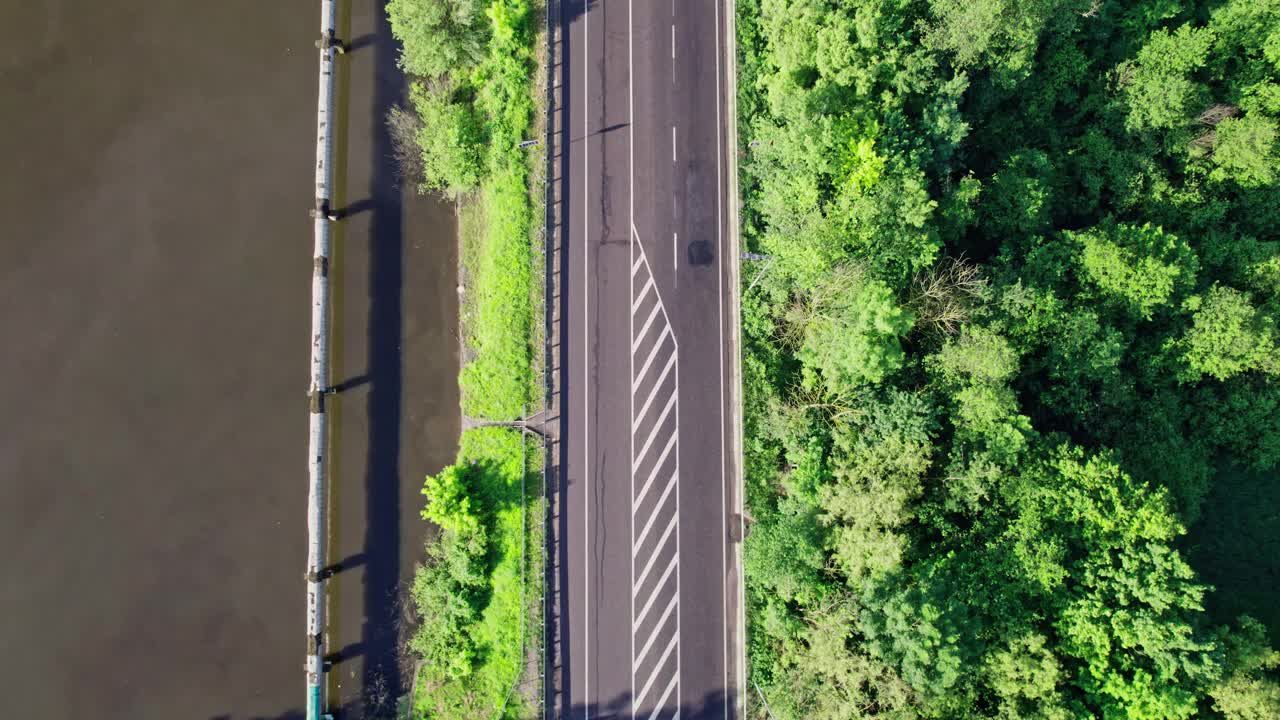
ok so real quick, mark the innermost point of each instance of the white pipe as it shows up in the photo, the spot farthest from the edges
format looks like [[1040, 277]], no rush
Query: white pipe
[[319, 385]]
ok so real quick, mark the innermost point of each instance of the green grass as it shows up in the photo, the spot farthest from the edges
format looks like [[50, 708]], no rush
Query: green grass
[[1236, 547], [498, 383], [496, 312]]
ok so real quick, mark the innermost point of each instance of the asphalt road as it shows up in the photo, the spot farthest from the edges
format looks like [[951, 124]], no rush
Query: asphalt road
[[646, 593]]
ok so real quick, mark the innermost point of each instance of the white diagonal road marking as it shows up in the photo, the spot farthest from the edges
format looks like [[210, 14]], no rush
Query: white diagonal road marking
[[655, 377], [671, 442]]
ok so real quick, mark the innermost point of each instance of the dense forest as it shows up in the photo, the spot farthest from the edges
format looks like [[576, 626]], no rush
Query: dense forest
[[1013, 332]]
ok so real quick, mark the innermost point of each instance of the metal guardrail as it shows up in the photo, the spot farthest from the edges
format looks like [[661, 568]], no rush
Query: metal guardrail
[[548, 400]]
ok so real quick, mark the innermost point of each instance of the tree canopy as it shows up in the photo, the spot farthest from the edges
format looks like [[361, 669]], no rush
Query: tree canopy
[[1021, 309]]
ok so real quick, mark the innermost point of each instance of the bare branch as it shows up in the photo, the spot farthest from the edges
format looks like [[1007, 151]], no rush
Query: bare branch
[[403, 127], [1205, 142], [1215, 114], [942, 296]]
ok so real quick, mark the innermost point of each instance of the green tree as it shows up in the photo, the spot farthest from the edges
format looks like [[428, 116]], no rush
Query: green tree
[[1137, 267], [447, 591], [449, 500], [445, 594], [1244, 150], [978, 356], [1244, 418], [786, 548], [1027, 678], [879, 463], [1126, 602], [1250, 690], [1000, 448], [852, 336], [1017, 200], [1160, 87], [1001, 35], [847, 683], [920, 626], [885, 216], [450, 140], [974, 369], [440, 37], [1228, 336]]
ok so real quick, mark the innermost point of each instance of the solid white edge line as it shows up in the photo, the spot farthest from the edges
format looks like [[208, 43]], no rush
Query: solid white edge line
[[586, 378], [631, 211], [679, 585], [724, 510], [735, 266]]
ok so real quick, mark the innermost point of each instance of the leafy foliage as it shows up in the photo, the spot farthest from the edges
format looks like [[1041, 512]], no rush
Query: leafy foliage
[[449, 140], [1137, 267], [473, 65], [1227, 336], [852, 335], [1019, 323], [473, 96], [439, 36], [468, 592]]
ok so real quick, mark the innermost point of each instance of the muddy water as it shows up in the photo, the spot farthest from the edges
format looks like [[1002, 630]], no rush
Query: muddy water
[[154, 271]]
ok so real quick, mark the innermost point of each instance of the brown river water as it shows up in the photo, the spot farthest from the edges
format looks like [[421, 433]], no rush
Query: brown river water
[[155, 260]]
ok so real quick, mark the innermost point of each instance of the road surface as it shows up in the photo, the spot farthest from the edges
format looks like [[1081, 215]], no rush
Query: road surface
[[646, 597]]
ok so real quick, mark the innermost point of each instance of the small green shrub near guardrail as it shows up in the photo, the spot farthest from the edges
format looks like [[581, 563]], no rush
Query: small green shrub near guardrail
[[472, 589], [472, 64]]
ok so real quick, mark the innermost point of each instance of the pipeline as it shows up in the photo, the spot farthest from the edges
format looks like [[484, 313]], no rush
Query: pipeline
[[317, 518]]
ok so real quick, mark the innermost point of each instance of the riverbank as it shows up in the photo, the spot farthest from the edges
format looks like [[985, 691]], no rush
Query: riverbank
[[478, 592]]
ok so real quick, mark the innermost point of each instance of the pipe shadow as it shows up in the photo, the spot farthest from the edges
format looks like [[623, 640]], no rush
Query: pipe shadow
[[361, 42], [355, 208]]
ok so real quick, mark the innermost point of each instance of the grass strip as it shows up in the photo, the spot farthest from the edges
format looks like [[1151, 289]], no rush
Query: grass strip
[[478, 592]]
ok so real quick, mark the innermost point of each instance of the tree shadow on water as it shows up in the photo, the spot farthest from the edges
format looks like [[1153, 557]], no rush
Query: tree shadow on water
[[379, 645]]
